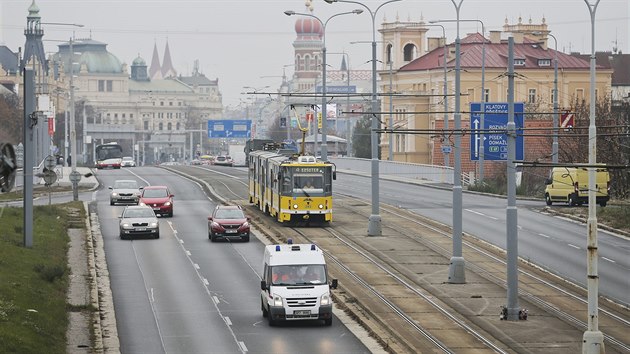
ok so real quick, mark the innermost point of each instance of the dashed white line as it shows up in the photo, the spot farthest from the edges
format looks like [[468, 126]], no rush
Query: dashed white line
[[181, 241], [227, 320], [482, 214], [188, 253], [608, 259], [152, 296], [242, 345], [543, 235], [196, 266], [206, 282], [574, 246], [215, 299]]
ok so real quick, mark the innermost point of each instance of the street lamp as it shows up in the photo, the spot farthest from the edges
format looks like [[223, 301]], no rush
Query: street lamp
[[445, 153], [324, 146], [593, 338], [374, 223], [347, 102], [457, 265], [554, 145], [483, 88]]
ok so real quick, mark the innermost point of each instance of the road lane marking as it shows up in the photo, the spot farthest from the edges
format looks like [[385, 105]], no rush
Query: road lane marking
[[206, 282], [152, 296], [481, 214], [242, 345], [608, 259], [543, 235], [215, 300], [227, 320], [574, 246], [188, 253], [196, 266]]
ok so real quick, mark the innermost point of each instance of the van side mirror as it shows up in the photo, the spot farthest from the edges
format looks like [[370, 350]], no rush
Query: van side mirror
[[110, 187], [263, 285], [333, 284], [334, 175], [548, 181]]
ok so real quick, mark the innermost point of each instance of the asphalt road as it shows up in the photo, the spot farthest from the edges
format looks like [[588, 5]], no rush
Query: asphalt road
[[182, 293], [554, 243]]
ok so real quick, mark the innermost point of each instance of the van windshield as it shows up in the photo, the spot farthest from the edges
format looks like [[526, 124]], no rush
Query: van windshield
[[306, 274]]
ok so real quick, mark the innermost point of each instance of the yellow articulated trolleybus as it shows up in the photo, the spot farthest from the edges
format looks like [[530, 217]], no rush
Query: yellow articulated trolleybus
[[295, 188]]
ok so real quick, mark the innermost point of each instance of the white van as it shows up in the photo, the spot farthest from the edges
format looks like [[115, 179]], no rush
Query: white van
[[294, 284]]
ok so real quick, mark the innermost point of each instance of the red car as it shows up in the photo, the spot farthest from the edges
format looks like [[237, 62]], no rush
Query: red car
[[227, 222], [159, 198]]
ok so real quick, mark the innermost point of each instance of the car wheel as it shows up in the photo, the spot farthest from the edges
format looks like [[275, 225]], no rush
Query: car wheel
[[328, 321], [548, 199], [170, 215], [123, 237], [157, 235], [213, 238], [111, 202]]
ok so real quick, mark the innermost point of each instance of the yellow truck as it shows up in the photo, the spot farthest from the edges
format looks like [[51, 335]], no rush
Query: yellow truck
[[570, 185]]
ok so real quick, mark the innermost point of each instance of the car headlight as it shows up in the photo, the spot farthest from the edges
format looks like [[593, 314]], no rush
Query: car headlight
[[154, 224], [126, 226], [277, 300], [167, 203], [295, 206], [142, 204], [114, 194], [325, 300]]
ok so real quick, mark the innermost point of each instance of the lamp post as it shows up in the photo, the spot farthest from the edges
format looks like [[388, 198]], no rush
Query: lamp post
[[554, 145], [374, 223], [445, 153], [457, 265], [324, 146], [483, 82], [593, 339]]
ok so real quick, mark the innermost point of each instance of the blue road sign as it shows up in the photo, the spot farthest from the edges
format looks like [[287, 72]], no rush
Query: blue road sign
[[229, 128], [495, 118]]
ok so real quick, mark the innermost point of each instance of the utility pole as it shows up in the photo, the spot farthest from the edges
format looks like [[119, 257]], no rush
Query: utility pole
[[29, 114]]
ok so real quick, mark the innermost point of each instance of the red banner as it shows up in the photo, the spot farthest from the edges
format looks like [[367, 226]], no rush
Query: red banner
[[51, 126]]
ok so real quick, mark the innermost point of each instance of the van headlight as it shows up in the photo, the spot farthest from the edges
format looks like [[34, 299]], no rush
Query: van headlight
[[277, 301], [325, 300], [321, 206]]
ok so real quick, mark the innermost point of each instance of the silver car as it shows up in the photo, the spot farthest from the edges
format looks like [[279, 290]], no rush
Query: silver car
[[138, 221], [124, 191], [127, 161]]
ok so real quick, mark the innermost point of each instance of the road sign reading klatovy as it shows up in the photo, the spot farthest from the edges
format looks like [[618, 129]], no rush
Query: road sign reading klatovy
[[229, 128], [495, 125]]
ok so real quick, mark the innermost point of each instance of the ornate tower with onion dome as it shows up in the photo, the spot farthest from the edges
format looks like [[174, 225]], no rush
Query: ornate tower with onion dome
[[308, 48]]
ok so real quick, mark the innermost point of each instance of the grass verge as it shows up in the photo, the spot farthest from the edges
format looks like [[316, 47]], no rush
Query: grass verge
[[34, 281]]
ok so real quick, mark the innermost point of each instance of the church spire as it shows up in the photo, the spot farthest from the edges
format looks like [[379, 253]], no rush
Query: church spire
[[167, 64], [155, 70]]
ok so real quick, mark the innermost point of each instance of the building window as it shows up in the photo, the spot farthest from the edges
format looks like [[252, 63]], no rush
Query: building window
[[178, 126], [115, 115], [101, 85], [179, 103], [161, 126], [544, 62], [486, 97], [110, 85], [161, 103], [146, 125], [170, 103], [307, 63], [579, 94], [130, 115], [409, 52], [531, 96], [519, 62], [389, 53], [169, 126]]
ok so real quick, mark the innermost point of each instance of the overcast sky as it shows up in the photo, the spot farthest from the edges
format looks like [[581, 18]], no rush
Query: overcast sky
[[248, 42]]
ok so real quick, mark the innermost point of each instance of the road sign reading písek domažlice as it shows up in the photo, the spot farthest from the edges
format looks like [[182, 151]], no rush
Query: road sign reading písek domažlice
[[229, 128], [495, 126]]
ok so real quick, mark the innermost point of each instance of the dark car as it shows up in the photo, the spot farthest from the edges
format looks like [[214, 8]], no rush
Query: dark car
[[228, 222], [158, 198], [138, 221]]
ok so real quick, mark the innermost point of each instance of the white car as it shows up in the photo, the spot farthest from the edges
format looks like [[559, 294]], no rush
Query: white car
[[128, 161], [137, 221], [124, 191]]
